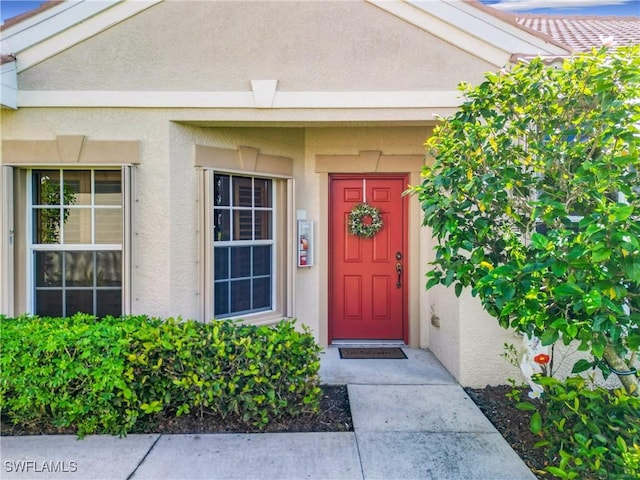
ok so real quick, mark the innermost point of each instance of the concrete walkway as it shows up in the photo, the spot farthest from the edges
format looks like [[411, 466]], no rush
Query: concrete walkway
[[411, 421]]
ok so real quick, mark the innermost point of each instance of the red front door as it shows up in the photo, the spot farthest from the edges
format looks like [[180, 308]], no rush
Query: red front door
[[367, 280]]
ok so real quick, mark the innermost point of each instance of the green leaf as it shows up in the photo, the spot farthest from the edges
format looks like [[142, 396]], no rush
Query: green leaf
[[567, 290], [623, 212], [549, 337], [631, 267], [601, 255], [622, 445], [581, 366], [449, 278], [539, 241], [432, 282], [559, 268], [535, 425], [526, 406]]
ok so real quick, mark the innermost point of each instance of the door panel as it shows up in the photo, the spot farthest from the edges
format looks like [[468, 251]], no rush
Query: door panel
[[366, 293]]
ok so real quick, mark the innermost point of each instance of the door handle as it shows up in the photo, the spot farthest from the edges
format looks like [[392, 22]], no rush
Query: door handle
[[399, 270]]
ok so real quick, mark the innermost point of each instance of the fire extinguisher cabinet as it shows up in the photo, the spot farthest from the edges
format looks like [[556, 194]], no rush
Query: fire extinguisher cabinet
[[305, 243]]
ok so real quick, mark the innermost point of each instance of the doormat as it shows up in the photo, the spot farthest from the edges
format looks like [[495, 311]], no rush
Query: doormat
[[372, 353]]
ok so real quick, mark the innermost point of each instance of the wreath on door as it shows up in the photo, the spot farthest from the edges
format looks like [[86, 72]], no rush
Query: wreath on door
[[365, 220]]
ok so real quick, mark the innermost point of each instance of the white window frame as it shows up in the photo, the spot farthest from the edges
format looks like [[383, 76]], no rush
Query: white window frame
[[242, 243], [282, 291], [125, 247], [7, 230]]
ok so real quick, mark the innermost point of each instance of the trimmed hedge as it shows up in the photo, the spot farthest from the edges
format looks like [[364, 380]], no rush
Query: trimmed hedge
[[115, 375]]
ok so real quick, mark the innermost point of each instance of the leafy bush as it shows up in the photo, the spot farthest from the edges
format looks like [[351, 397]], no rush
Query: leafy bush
[[587, 432], [534, 201], [116, 375]]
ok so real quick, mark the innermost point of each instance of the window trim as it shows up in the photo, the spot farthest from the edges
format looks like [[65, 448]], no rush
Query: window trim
[[7, 250], [283, 253]]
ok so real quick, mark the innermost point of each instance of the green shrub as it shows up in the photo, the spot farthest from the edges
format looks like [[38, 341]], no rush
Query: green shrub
[[587, 433], [116, 375]]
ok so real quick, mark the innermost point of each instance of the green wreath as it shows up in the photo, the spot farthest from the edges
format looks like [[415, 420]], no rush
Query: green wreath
[[358, 225]]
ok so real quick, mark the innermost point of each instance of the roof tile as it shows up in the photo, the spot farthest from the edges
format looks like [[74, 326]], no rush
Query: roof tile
[[582, 33]]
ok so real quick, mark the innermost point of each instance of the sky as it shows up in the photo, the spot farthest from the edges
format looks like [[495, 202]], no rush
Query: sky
[[570, 7], [11, 8]]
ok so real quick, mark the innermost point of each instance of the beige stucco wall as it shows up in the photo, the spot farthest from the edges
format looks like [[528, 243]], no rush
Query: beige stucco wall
[[166, 229], [481, 346], [217, 46]]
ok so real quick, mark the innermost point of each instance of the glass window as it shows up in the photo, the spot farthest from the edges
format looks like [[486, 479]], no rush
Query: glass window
[[76, 247], [243, 245]]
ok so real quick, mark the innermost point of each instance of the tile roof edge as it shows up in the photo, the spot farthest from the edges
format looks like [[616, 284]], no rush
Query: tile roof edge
[[6, 59], [513, 20], [550, 16], [9, 22]]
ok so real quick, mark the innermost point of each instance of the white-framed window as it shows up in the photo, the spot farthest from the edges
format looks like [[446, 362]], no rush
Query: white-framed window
[[244, 252], [76, 231]]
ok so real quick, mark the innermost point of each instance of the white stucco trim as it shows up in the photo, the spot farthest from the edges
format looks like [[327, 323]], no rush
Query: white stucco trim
[[493, 39], [281, 100], [9, 85], [6, 246], [58, 28]]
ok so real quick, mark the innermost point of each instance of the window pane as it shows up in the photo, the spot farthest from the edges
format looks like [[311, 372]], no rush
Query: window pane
[[46, 222], [49, 303], [221, 225], [46, 187], [77, 187], [221, 263], [78, 301], [240, 262], [262, 260], [262, 192], [108, 188], [242, 191], [109, 269], [48, 269], [221, 196], [243, 224], [77, 225], [109, 303], [240, 296], [263, 225], [79, 269], [108, 225], [261, 293], [221, 298]]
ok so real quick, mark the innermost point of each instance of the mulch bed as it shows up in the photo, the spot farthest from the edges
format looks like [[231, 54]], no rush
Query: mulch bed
[[334, 416]]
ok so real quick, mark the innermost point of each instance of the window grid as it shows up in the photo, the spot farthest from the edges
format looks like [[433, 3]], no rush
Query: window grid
[[243, 245], [72, 271]]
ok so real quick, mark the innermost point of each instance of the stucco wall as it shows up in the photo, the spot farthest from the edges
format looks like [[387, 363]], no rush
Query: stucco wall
[[482, 345], [218, 46], [166, 241]]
